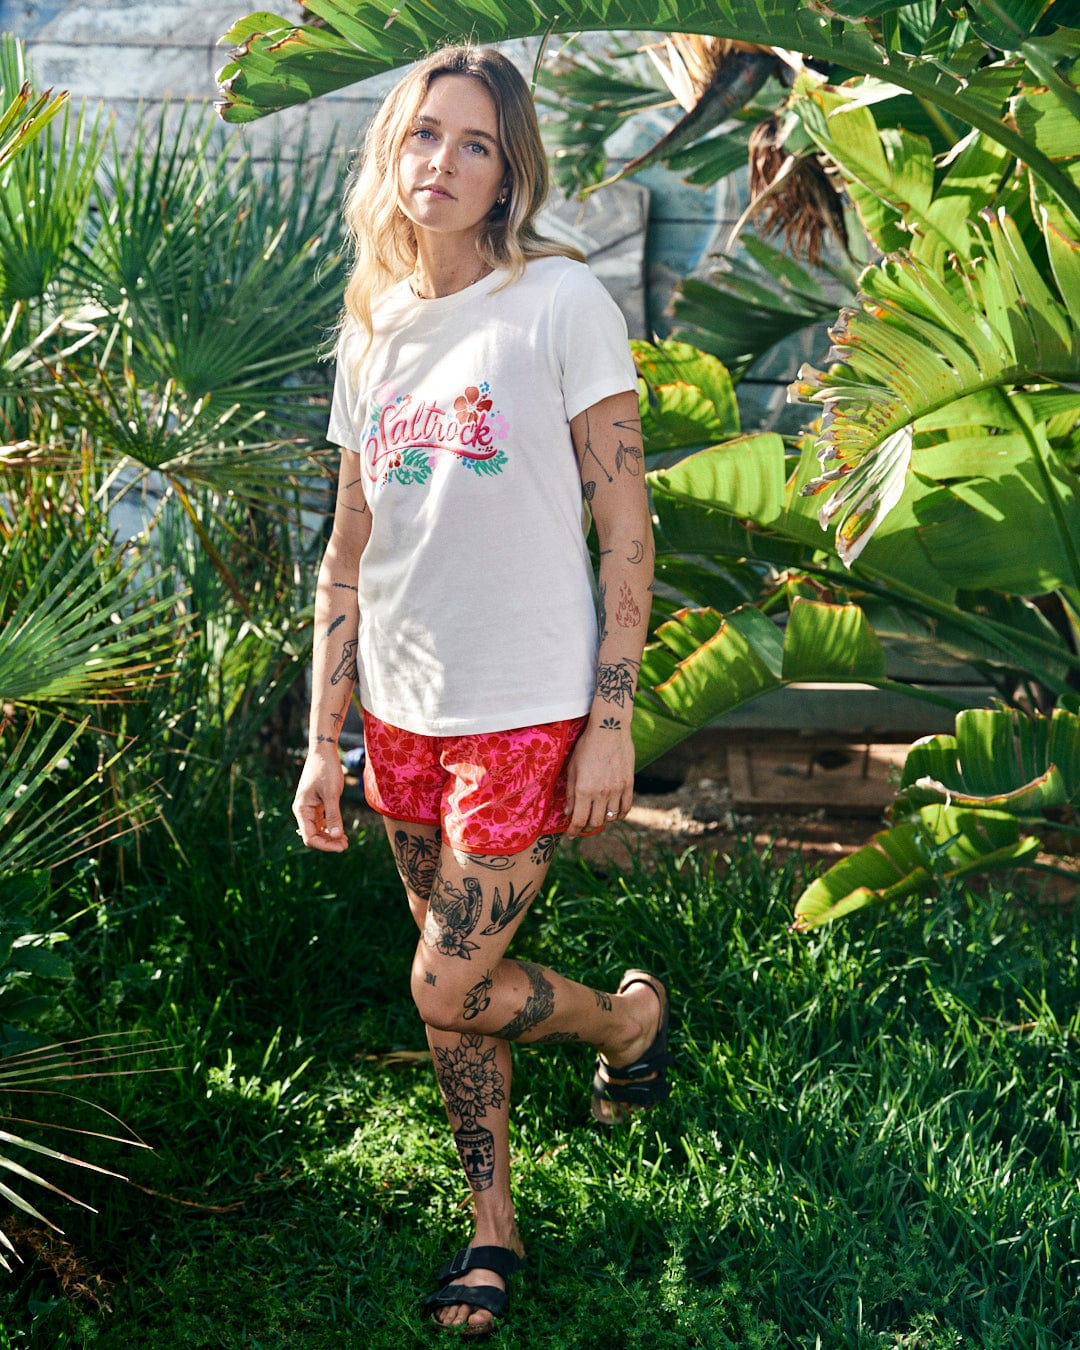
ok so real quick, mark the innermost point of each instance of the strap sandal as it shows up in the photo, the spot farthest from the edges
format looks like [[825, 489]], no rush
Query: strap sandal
[[487, 1296], [644, 1083]]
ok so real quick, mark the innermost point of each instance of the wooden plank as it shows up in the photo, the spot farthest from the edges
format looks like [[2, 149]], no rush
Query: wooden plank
[[844, 777]]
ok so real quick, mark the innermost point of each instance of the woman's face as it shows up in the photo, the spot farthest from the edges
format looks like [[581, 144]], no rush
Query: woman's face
[[451, 166]]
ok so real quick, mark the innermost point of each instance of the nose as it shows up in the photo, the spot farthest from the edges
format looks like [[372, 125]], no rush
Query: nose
[[441, 159]]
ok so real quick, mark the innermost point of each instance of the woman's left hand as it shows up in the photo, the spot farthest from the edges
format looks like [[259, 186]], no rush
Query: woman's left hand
[[599, 779]]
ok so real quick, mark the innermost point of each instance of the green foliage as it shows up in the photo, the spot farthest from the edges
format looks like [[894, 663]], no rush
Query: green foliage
[[1002, 793], [949, 438], [921, 50], [158, 357]]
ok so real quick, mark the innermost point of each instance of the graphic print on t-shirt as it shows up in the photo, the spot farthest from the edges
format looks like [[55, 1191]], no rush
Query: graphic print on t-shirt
[[407, 434]]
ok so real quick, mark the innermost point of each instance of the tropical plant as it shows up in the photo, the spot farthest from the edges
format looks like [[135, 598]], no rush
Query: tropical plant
[[159, 376], [162, 309], [1000, 793]]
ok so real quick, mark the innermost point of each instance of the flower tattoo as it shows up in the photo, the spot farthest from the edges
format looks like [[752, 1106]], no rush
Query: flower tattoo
[[615, 683], [469, 1080]]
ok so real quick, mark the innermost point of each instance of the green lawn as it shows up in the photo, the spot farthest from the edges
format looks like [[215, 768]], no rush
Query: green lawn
[[873, 1137]]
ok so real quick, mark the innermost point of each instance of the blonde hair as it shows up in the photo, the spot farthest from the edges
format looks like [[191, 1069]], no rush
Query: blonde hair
[[382, 237]]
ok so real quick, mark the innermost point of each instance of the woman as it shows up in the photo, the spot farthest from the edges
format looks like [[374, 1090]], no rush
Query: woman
[[485, 400]]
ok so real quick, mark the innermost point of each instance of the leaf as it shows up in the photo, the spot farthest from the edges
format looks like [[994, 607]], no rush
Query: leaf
[[912, 346], [941, 845], [753, 303], [686, 397], [275, 69]]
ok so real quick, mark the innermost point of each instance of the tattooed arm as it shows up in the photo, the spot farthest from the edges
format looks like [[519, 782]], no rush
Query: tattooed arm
[[317, 804], [607, 438]]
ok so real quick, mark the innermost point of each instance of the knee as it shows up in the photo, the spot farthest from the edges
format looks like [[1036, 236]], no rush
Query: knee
[[436, 995]]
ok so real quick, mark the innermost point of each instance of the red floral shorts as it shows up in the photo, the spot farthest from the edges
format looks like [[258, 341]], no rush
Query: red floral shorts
[[494, 792]]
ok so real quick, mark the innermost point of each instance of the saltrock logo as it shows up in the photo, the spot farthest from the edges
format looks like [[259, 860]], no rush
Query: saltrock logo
[[407, 435]]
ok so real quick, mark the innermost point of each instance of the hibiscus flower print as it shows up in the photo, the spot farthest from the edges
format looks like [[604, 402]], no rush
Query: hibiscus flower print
[[469, 406]]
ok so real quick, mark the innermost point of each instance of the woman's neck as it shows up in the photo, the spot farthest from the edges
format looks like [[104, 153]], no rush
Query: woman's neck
[[440, 272]]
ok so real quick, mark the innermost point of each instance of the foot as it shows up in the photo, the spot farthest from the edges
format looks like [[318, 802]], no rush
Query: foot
[[477, 1321], [646, 1008]]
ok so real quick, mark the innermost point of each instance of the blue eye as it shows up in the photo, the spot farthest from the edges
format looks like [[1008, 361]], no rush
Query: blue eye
[[477, 145]]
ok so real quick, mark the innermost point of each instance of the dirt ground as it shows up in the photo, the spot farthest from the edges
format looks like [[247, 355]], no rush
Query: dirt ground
[[822, 796]]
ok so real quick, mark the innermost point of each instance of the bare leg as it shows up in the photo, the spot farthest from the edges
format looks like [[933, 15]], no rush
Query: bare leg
[[474, 1000]]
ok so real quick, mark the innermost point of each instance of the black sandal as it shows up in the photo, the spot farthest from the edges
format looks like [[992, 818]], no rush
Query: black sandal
[[643, 1083], [487, 1296]]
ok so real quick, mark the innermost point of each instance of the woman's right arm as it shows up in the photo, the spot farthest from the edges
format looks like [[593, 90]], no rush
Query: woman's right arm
[[317, 804]]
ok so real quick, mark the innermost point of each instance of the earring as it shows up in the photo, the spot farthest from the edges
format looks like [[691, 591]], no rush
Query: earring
[[501, 199]]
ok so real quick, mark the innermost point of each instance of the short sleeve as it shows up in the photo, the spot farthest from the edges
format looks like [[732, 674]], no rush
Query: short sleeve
[[342, 428], [592, 347]]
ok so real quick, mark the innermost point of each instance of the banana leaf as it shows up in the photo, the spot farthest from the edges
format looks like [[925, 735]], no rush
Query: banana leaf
[[275, 65], [944, 844], [992, 795], [912, 346], [704, 664]]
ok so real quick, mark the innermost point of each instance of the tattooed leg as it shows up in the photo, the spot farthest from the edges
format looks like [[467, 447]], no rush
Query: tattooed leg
[[474, 1001], [473, 1074], [464, 983], [416, 853]]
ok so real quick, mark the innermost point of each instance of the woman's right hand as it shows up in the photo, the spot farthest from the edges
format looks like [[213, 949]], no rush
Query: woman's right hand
[[317, 804]]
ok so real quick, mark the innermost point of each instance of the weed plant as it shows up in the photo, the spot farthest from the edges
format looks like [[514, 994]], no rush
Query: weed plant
[[872, 1139]]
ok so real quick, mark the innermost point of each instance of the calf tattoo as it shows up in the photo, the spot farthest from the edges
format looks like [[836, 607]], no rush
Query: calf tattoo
[[539, 1005], [471, 1085], [452, 916], [416, 857]]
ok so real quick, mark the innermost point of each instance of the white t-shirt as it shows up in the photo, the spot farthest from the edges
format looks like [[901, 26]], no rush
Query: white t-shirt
[[476, 596]]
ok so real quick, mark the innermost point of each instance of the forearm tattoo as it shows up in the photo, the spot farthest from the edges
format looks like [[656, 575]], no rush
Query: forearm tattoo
[[416, 856], [603, 1001], [628, 615], [615, 681], [471, 1085], [452, 916], [539, 1004], [346, 667]]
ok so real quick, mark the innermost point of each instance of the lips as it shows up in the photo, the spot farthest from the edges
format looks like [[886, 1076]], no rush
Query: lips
[[434, 190]]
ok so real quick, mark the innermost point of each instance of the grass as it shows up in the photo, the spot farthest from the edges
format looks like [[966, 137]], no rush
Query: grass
[[872, 1139]]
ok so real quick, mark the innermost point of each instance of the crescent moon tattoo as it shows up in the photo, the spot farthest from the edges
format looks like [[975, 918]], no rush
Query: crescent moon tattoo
[[638, 553]]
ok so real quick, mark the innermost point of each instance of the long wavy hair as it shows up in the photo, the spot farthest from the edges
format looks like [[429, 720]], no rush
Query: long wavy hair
[[382, 238]]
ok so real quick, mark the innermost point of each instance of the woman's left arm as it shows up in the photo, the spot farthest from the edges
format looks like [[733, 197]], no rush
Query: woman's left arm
[[607, 440]]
